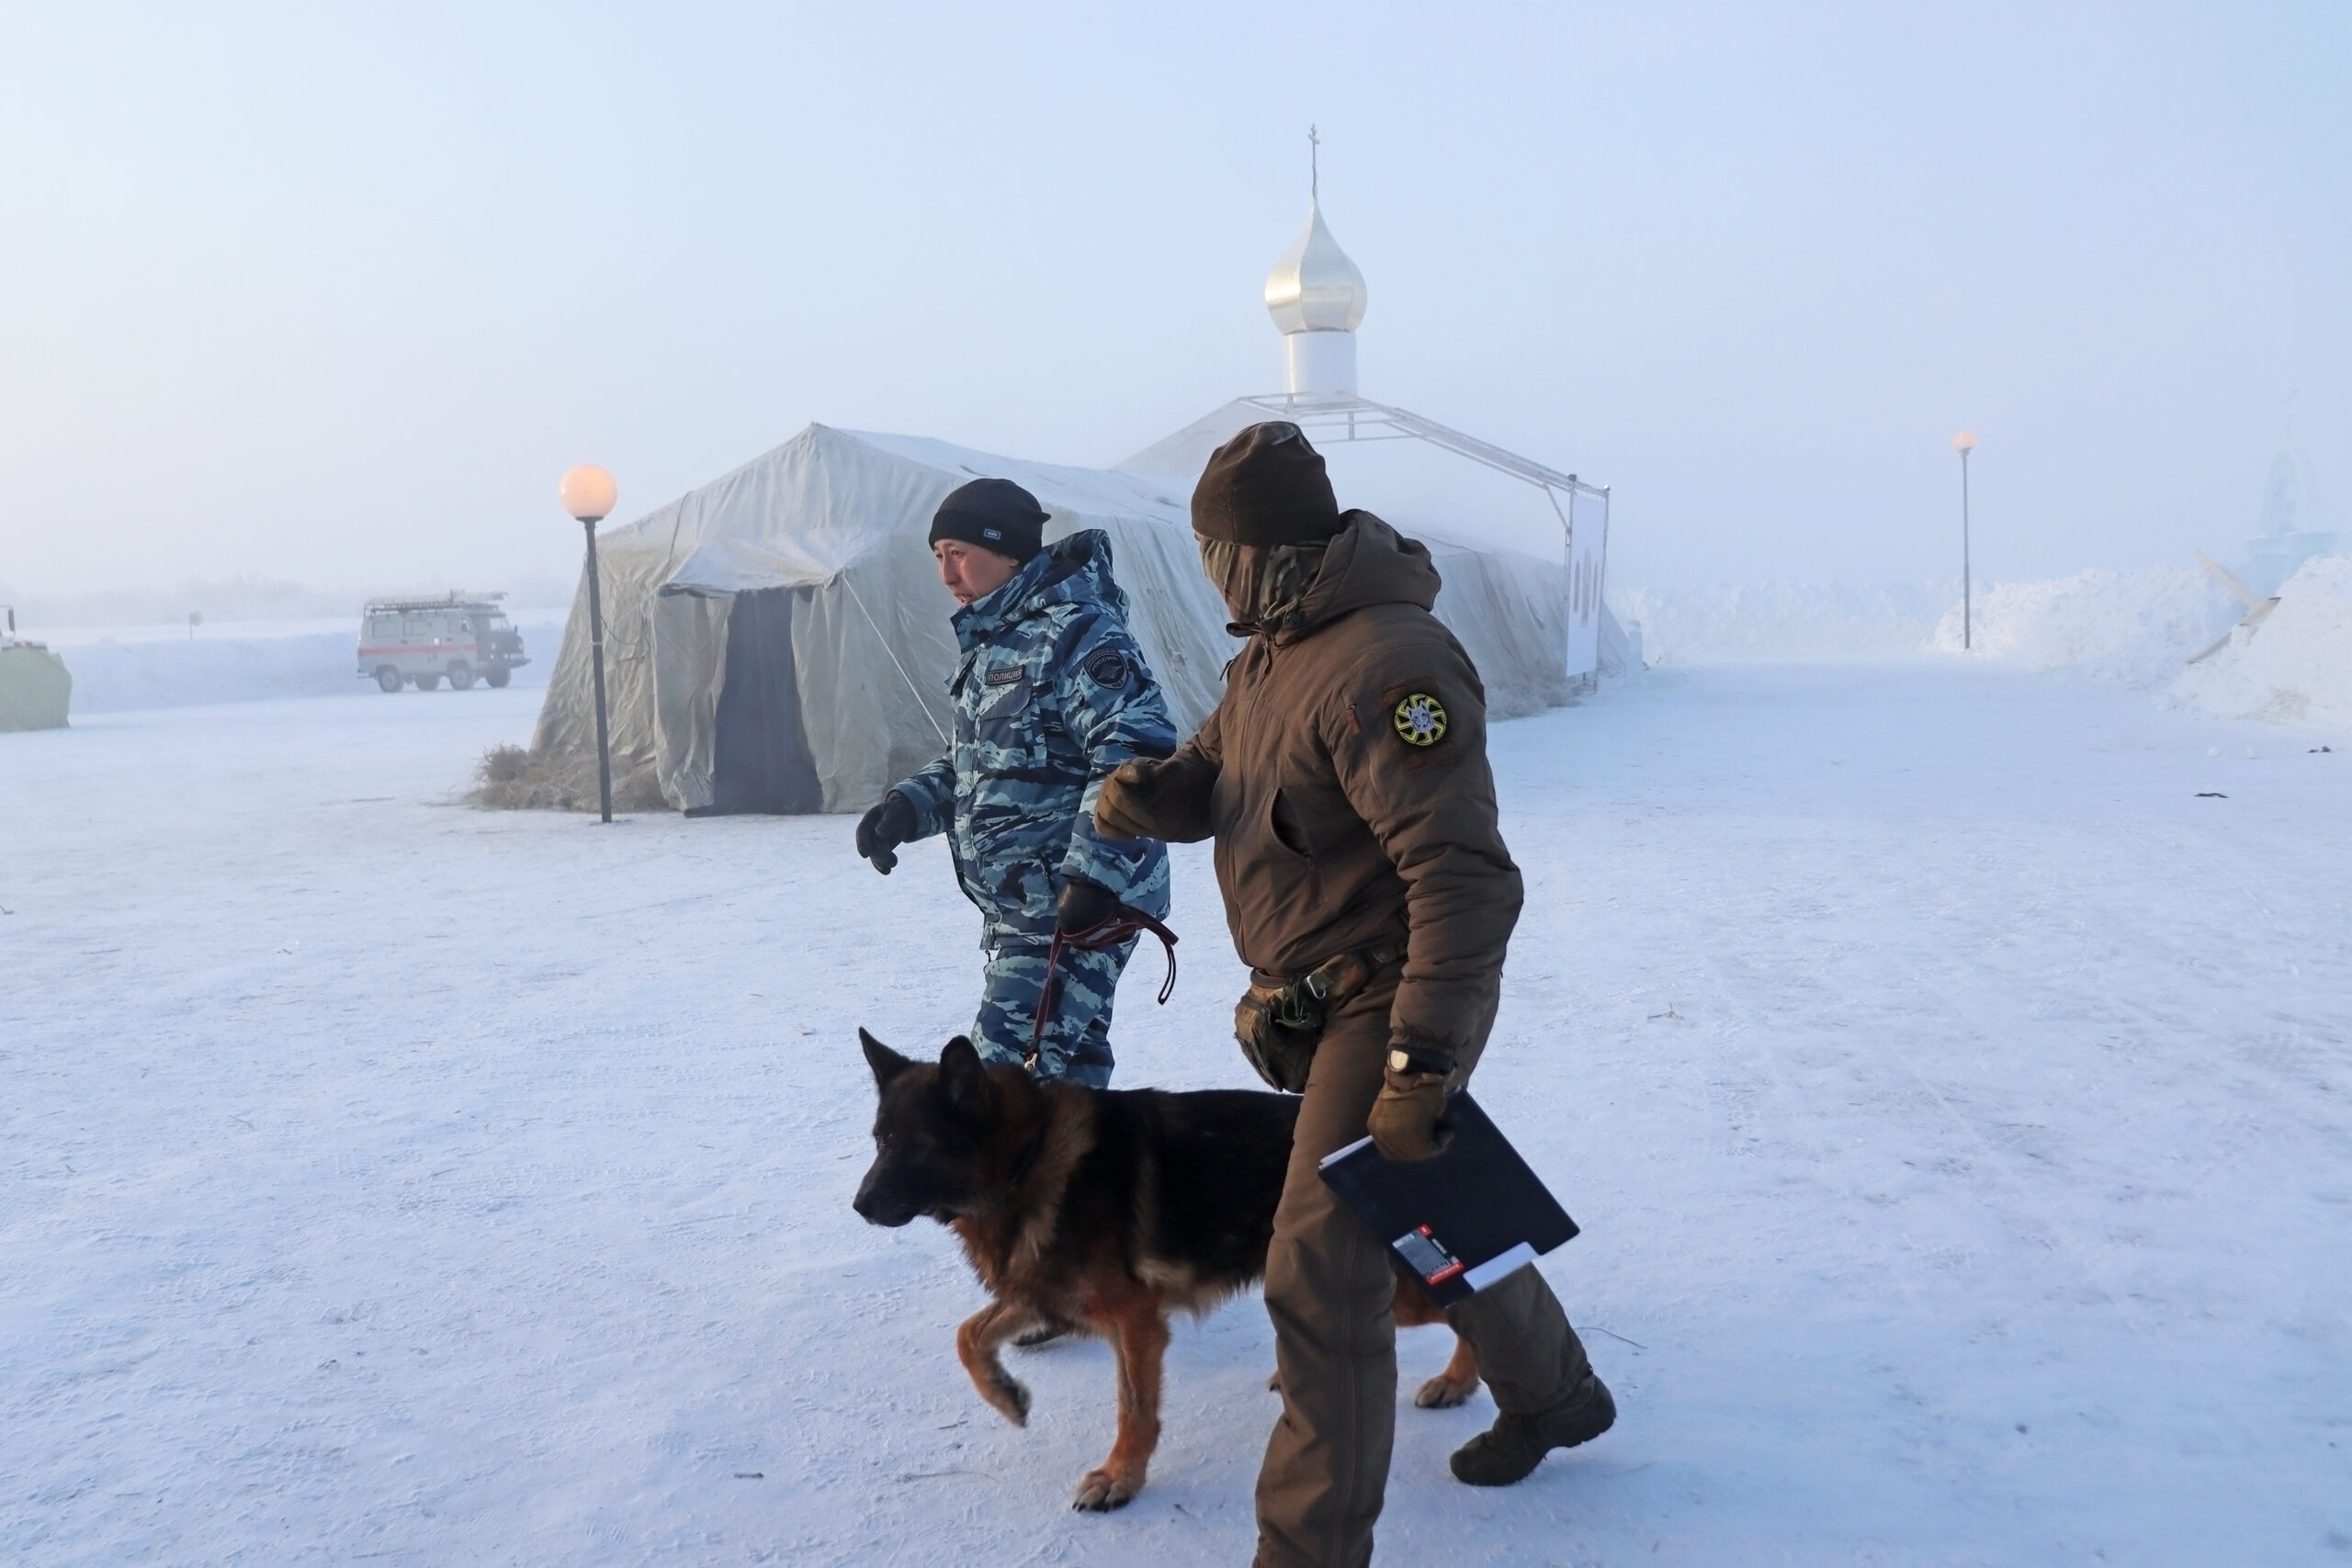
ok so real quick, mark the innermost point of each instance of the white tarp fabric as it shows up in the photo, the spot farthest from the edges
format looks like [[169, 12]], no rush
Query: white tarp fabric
[[840, 517], [1588, 555], [35, 687], [1534, 620], [1506, 610]]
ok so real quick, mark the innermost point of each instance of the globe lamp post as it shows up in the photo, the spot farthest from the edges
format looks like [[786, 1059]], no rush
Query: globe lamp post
[[1963, 443], [588, 493]]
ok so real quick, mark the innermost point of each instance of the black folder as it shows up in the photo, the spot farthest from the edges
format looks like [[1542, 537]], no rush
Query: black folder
[[1460, 1221]]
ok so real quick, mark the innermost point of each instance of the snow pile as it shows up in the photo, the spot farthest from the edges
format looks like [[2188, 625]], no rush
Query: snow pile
[[113, 676], [2136, 627], [1782, 621], [131, 670], [2295, 666]]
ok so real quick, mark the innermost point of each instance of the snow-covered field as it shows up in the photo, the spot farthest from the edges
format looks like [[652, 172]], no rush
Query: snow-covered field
[[1955, 1100], [131, 669]]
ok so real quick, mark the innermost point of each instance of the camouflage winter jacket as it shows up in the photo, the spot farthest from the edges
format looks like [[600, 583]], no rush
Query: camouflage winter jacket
[[1051, 694]]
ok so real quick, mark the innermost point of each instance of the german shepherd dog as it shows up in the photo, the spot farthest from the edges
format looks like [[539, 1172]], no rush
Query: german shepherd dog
[[1104, 1210]]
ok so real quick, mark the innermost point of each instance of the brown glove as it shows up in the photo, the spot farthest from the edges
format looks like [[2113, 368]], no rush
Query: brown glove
[[1406, 1121], [1119, 808], [1149, 799]]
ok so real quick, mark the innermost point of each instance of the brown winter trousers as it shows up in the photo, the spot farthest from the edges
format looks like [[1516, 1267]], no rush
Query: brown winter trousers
[[1330, 1292]]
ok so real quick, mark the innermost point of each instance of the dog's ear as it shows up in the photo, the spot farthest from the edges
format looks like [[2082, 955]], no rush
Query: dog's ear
[[886, 1064], [961, 1077]]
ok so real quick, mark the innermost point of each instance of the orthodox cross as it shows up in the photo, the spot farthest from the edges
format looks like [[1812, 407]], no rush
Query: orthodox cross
[[1313, 167]]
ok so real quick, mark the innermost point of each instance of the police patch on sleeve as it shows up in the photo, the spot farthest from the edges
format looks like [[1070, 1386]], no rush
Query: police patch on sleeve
[[1108, 668], [1420, 719]]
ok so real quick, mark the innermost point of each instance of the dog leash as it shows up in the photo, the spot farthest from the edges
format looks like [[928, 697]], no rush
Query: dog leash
[[1109, 932]]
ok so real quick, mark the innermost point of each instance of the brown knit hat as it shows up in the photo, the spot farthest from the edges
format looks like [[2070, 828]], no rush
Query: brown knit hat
[[1265, 487]]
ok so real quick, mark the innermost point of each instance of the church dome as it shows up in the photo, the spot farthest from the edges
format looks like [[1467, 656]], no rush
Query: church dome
[[1315, 287]]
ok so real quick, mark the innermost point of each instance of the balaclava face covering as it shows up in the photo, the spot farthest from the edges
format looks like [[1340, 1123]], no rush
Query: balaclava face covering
[[1260, 583]]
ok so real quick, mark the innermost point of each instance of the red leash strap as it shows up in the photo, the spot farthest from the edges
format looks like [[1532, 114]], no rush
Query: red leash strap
[[1108, 933]]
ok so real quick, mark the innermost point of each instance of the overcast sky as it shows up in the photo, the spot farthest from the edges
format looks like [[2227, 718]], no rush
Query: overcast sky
[[335, 294]]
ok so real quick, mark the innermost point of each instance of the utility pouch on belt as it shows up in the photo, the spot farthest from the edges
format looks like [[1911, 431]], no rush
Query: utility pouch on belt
[[1280, 1026]]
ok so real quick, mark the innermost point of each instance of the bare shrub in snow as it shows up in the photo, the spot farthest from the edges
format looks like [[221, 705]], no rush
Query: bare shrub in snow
[[515, 778]]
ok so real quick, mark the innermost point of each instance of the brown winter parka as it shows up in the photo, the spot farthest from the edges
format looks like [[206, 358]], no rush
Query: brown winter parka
[[1344, 778]]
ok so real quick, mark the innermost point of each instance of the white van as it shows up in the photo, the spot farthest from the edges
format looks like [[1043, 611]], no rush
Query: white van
[[465, 636]]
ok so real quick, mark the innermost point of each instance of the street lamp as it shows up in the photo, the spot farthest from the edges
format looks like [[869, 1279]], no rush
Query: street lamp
[[1963, 443], [588, 493]]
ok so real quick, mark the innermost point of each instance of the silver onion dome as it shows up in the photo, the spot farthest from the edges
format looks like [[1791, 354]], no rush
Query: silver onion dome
[[1315, 287]]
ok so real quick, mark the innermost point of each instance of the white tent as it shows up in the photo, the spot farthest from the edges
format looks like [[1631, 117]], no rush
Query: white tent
[[34, 686], [1523, 547], [778, 641]]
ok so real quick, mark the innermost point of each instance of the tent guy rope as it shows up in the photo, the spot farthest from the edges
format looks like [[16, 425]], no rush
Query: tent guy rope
[[916, 691]]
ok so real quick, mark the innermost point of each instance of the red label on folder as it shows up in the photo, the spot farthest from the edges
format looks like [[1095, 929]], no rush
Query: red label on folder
[[1420, 1247]]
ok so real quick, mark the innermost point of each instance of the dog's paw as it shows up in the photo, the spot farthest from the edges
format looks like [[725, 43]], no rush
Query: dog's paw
[[1443, 1393], [1104, 1490], [1009, 1395]]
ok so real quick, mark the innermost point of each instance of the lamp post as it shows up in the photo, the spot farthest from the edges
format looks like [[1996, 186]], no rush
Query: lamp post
[[588, 493], [1963, 443]]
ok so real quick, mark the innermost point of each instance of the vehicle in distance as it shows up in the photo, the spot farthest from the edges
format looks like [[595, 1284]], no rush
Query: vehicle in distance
[[462, 636]]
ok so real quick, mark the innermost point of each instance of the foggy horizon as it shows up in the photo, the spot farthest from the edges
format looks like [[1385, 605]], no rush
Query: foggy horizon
[[334, 301]]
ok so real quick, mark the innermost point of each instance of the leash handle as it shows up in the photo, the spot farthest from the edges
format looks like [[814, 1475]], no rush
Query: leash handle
[[1120, 926]]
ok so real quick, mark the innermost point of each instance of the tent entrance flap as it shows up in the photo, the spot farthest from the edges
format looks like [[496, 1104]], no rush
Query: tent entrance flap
[[760, 760]]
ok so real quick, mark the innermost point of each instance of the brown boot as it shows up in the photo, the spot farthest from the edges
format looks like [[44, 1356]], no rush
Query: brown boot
[[1510, 1451]]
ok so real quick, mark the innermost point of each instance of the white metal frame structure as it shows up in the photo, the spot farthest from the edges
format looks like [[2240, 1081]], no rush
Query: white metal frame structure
[[1325, 418], [1333, 417]]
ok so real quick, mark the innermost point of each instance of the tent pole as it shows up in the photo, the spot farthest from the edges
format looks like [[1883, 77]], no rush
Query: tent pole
[[596, 650]]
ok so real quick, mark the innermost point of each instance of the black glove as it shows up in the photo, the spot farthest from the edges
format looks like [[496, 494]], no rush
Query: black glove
[[890, 823], [1083, 906]]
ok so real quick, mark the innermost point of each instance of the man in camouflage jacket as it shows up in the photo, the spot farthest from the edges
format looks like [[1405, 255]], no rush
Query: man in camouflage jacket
[[1050, 696]]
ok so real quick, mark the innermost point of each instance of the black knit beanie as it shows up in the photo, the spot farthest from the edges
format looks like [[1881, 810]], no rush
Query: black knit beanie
[[1266, 487], [995, 514]]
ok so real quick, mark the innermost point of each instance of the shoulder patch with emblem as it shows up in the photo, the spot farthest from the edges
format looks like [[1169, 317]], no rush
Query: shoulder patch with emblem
[[1420, 719], [1108, 668]]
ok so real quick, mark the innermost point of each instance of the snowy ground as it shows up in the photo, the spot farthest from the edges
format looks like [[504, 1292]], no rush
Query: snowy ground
[[133, 669], [1955, 1101]]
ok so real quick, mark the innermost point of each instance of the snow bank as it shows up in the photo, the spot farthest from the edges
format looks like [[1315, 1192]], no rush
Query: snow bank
[[2293, 668], [134, 669], [2137, 628], [113, 676], [1782, 621]]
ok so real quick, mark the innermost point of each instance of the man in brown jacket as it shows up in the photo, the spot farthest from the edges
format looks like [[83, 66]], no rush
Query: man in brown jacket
[[1345, 779]]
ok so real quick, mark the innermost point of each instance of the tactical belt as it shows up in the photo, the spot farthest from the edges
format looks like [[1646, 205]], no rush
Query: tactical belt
[[1280, 1024]]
